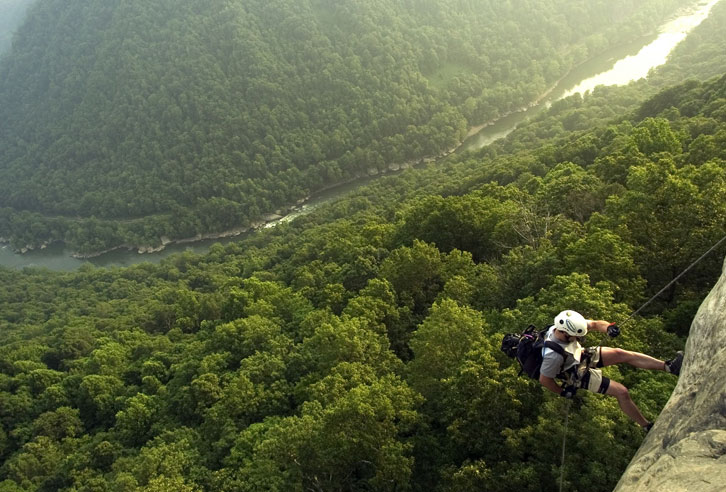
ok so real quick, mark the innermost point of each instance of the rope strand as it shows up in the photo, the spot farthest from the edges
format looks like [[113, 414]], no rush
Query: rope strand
[[603, 337], [567, 411], [675, 279]]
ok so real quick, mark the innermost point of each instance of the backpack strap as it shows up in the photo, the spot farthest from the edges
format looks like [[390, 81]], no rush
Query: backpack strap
[[555, 346]]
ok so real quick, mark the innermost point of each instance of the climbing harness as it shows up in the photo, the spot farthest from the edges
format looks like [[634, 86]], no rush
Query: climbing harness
[[567, 409]]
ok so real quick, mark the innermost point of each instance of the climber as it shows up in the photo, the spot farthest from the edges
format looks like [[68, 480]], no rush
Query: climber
[[581, 367]]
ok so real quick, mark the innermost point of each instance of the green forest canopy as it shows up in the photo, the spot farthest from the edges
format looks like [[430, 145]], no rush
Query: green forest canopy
[[357, 348], [124, 122]]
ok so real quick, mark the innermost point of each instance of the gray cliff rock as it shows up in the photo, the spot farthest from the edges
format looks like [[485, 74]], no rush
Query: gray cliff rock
[[686, 449]]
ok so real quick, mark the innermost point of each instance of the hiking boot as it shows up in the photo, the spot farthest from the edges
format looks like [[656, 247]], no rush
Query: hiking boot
[[674, 365]]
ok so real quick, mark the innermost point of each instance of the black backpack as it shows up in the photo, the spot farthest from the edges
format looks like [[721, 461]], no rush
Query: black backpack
[[526, 347]]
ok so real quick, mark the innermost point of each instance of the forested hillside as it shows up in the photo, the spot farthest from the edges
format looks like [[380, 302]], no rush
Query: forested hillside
[[124, 122], [357, 348], [700, 57], [12, 13]]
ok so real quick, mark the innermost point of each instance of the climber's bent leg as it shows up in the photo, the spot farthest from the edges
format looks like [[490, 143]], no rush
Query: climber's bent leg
[[627, 405]]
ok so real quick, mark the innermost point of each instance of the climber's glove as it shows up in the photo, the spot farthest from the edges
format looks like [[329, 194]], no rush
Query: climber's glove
[[568, 392], [613, 330]]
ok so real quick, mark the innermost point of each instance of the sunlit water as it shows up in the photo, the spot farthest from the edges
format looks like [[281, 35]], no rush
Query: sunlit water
[[618, 66], [651, 56]]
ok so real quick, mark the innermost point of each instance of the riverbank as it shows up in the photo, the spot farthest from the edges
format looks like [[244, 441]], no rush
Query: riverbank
[[165, 241], [545, 96], [267, 220], [478, 128]]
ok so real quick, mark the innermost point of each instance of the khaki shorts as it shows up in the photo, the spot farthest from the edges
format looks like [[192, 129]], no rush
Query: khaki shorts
[[587, 374]]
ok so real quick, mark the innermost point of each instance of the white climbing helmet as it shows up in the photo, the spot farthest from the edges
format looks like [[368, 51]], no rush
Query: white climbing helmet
[[572, 323]]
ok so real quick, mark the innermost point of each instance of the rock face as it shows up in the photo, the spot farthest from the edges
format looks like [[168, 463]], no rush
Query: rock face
[[686, 449]]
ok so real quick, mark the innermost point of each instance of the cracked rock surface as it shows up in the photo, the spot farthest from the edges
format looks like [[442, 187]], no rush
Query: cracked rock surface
[[686, 449]]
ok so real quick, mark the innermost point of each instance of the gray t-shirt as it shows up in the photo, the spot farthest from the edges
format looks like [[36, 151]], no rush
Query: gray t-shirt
[[552, 361]]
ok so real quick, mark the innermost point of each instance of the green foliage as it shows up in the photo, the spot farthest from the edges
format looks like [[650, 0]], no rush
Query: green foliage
[[472, 223], [605, 256], [440, 343], [570, 191], [349, 442], [357, 347]]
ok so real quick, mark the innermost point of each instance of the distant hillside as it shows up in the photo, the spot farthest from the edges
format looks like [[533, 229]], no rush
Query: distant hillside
[[12, 13], [127, 121]]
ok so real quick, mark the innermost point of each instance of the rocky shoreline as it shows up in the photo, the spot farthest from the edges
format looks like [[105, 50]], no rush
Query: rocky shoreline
[[27, 248], [165, 241], [264, 221]]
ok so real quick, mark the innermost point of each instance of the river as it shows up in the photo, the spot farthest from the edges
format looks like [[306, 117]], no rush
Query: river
[[617, 66], [59, 258]]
